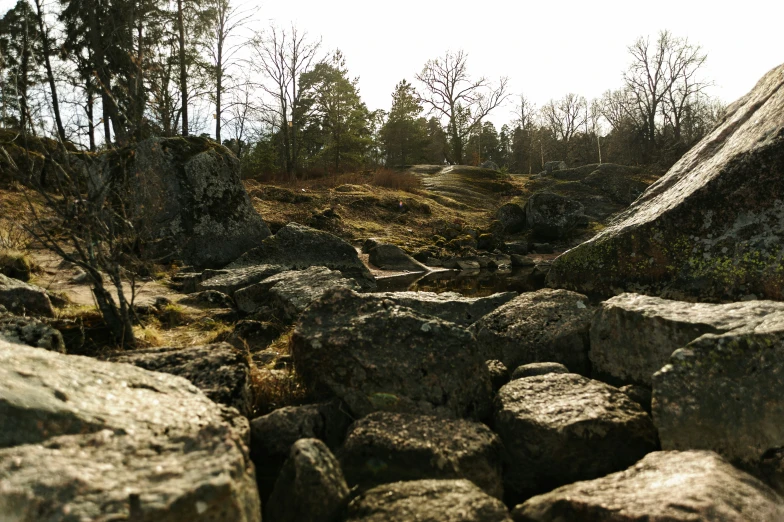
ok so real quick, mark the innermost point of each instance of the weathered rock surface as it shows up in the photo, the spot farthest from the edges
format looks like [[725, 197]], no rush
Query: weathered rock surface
[[552, 216], [298, 247], [389, 447], [664, 486], [252, 335], [511, 217], [640, 394], [25, 330], [231, 280], [186, 197], [712, 227], [723, 392], [560, 428], [288, 293], [219, 370], [534, 369], [543, 326], [427, 501], [23, 298], [449, 306], [310, 488], [89, 440], [499, 374], [376, 355], [391, 257]]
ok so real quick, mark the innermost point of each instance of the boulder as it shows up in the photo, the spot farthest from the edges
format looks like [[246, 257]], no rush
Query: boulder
[[391, 257], [288, 293], [559, 428], [29, 331], [664, 486], [389, 447], [449, 306], [499, 374], [512, 219], [376, 355], [711, 229], [490, 165], [221, 371], [253, 336], [460, 263], [84, 439], [617, 181], [310, 488], [209, 298], [542, 326], [553, 216], [534, 369], [298, 247], [229, 281], [722, 392], [185, 197], [427, 501], [633, 336], [642, 395], [23, 298], [554, 166]]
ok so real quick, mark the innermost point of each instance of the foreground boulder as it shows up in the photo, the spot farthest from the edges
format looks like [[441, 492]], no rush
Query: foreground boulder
[[723, 393], [23, 298], [449, 306], [298, 247], [633, 336], [711, 228], [427, 501], [186, 198], [219, 370], [560, 428], [29, 331], [376, 355], [543, 326], [391, 257], [551, 216], [664, 486], [389, 447], [83, 439]]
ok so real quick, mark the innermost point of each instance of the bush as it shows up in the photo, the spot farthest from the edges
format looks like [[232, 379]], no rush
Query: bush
[[405, 181]]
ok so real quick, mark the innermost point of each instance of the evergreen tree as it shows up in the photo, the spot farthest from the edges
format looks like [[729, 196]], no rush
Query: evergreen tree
[[404, 137]]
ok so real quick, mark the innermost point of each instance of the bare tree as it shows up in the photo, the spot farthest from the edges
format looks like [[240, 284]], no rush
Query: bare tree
[[282, 56], [451, 93], [564, 117], [683, 65]]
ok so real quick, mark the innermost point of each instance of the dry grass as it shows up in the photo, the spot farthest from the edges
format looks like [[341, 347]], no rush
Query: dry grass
[[277, 387], [405, 181]]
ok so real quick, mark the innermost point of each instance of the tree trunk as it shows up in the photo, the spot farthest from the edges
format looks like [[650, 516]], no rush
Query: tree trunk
[[183, 69], [219, 85], [90, 109], [49, 73]]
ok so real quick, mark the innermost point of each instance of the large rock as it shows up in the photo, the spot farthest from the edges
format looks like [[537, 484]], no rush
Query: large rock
[[185, 197], [712, 227], [543, 326], [723, 393], [23, 298], [391, 257], [552, 216], [559, 428], [310, 488], [427, 501], [449, 306], [376, 355], [666, 486], [389, 447], [633, 336], [511, 217], [84, 439], [29, 331], [298, 247], [231, 280], [221, 371], [287, 294]]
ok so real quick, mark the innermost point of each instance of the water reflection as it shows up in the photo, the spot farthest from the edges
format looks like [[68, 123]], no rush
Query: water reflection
[[475, 283]]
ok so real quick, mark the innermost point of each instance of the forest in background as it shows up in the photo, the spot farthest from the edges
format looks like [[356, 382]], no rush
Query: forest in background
[[105, 73]]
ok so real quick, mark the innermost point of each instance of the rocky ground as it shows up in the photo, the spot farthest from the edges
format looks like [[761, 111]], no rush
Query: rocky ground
[[637, 380]]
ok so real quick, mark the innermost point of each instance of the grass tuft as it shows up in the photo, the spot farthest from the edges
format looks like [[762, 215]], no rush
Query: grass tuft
[[405, 181]]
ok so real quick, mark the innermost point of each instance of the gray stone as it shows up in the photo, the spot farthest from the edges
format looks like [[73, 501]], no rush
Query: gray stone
[[229, 281], [427, 501], [499, 374], [722, 392], [298, 247], [185, 197], [376, 355], [512, 218], [711, 229], [554, 166], [211, 298], [559, 428], [461, 263], [490, 165], [664, 486], [23, 298], [289, 293], [391, 257], [543, 326], [84, 439], [552, 216], [534, 369], [522, 261], [389, 447], [310, 488], [633, 336], [29, 331], [221, 371], [449, 306], [642, 395], [252, 335]]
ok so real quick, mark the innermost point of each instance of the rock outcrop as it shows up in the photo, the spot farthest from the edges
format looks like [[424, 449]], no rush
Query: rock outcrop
[[551, 216], [449, 306], [29, 331], [23, 298], [391, 257], [511, 218], [712, 228], [88, 440], [535, 369]]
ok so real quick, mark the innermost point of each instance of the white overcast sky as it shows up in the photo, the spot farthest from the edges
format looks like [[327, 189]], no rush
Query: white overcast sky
[[546, 48]]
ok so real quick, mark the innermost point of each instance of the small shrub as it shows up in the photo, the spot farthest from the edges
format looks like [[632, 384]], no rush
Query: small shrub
[[391, 179], [16, 264], [172, 315]]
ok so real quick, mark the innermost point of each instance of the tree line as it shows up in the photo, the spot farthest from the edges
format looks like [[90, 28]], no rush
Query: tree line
[[105, 73]]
